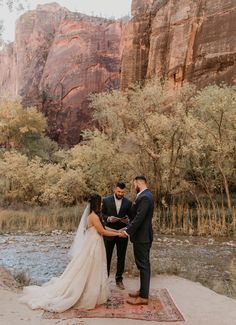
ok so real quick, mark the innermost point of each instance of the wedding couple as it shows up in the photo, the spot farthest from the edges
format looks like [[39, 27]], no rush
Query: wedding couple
[[84, 283]]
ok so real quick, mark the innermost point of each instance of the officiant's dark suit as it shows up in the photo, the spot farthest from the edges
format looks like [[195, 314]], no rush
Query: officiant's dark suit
[[109, 208], [141, 235]]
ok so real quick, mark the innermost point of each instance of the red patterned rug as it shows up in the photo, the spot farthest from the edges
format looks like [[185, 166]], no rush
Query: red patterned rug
[[161, 308]]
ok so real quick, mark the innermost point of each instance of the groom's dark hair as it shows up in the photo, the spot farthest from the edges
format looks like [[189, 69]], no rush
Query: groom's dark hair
[[121, 185], [141, 178], [95, 201]]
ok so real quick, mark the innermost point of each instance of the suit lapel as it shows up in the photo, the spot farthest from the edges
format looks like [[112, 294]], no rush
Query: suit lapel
[[144, 192], [140, 196]]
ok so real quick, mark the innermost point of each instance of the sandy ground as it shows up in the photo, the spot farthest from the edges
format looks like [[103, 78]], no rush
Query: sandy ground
[[199, 305]]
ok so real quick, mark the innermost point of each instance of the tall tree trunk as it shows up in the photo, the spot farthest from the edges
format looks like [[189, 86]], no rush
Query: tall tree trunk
[[226, 187]]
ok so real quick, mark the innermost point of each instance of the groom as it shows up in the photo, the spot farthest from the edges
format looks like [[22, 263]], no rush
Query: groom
[[115, 212], [140, 232]]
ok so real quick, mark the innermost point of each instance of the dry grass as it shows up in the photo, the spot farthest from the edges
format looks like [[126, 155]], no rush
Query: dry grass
[[22, 279], [203, 220], [177, 219], [40, 219]]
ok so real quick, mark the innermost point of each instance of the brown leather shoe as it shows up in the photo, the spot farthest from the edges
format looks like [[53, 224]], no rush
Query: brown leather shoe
[[137, 301], [120, 285], [134, 294]]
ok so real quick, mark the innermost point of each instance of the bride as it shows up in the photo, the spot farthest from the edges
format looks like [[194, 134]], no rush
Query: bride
[[84, 283]]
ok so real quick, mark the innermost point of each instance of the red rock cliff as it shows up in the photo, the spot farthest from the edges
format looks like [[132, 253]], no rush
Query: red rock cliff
[[193, 40], [60, 57], [57, 60]]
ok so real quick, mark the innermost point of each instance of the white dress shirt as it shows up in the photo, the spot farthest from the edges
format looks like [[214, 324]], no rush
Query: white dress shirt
[[118, 204]]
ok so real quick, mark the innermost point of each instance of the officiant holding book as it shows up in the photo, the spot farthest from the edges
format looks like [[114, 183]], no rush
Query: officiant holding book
[[116, 210]]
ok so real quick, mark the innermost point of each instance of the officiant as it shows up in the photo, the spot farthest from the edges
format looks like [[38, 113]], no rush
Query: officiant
[[116, 210]]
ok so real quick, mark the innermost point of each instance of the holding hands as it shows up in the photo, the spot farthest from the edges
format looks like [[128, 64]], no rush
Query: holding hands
[[122, 233]]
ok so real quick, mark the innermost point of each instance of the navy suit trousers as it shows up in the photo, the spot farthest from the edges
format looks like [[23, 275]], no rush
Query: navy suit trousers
[[142, 260]]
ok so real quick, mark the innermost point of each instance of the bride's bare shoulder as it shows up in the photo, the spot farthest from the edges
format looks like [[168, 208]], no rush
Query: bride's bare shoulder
[[93, 219], [93, 216]]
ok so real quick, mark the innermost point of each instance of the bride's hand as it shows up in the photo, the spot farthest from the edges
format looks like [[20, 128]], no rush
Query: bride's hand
[[122, 234]]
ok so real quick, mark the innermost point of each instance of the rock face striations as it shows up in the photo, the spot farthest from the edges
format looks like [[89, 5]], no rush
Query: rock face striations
[[57, 60], [193, 40], [60, 57]]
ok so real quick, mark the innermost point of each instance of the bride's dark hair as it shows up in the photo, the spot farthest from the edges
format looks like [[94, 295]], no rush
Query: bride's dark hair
[[95, 201]]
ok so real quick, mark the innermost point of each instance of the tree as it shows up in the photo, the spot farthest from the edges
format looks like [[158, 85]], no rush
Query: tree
[[17, 6], [214, 112], [35, 182], [102, 162], [154, 121], [18, 124], [184, 142]]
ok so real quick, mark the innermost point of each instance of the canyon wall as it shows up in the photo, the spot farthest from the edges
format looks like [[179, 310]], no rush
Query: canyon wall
[[182, 40], [56, 61], [60, 57]]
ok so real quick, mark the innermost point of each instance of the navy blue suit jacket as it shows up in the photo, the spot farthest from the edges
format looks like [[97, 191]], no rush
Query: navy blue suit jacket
[[140, 227]]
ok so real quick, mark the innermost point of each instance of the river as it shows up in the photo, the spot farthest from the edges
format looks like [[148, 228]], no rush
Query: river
[[209, 261]]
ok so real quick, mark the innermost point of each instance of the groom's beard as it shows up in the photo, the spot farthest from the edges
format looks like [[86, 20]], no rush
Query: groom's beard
[[137, 189], [119, 197]]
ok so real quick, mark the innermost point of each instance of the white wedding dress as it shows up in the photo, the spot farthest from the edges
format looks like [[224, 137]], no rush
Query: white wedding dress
[[83, 284]]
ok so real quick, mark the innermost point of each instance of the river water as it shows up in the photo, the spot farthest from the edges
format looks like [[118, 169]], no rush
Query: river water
[[209, 261]]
